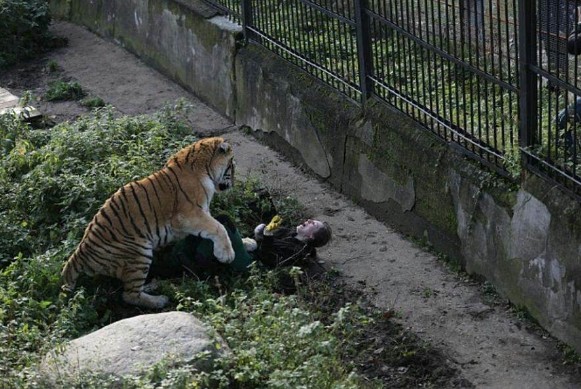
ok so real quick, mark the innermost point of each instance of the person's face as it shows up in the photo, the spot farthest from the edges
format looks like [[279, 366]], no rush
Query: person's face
[[307, 229]]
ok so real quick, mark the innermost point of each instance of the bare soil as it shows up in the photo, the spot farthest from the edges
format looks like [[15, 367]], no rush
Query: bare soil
[[452, 330]]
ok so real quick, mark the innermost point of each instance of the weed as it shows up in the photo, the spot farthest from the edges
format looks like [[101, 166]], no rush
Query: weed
[[53, 66], [522, 313], [62, 90], [92, 102], [570, 356], [26, 98], [490, 294], [428, 292]]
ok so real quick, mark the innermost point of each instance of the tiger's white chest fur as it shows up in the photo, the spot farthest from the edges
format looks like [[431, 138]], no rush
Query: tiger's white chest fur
[[180, 226]]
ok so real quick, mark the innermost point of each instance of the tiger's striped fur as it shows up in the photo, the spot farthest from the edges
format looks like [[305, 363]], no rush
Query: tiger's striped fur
[[152, 212]]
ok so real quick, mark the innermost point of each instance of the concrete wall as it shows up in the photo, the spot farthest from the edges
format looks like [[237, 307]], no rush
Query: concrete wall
[[525, 239], [186, 40]]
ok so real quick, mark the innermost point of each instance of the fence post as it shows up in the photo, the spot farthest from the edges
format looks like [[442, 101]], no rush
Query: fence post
[[362, 26], [246, 19], [528, 85]]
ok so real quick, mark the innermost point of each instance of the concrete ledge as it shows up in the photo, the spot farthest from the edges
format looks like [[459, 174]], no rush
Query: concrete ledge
[[524, 239]]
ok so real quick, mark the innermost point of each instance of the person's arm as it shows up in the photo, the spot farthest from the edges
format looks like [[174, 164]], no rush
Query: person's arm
[[267, 253]]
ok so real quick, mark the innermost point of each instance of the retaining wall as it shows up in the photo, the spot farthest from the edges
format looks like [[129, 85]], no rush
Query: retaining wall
[[525, 239]]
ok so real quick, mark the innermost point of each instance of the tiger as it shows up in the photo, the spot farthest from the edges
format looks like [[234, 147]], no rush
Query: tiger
[[150, 213]]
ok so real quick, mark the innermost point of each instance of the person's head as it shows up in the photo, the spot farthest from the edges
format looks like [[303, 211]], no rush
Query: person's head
[[314, 232]]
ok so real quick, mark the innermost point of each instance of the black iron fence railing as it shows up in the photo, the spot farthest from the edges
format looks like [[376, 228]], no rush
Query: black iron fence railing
[[499, 78]]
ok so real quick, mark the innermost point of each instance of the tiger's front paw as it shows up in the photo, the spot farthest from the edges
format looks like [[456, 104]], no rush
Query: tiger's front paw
[[224, 254]]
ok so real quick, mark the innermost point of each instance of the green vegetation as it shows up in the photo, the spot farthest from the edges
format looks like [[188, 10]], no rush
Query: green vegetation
[[64, 90], [92, 102], [23, 30], [52, 183], [570, 356], [52, 66]]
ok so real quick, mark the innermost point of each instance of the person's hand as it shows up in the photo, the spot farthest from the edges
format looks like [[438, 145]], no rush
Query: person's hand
[[259, 231], [250, 244]]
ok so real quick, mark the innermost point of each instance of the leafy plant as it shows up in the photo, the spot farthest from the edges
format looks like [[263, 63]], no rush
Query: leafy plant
[[23, 29], [62, 90], [276, 340], [92, 102]]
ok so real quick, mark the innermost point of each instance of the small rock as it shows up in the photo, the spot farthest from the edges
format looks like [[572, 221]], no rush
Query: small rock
[[478, 310]]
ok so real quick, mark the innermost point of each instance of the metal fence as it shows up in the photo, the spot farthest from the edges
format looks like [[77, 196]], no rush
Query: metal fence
[[493, 77]]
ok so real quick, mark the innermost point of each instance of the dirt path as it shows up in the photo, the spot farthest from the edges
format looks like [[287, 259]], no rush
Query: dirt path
[[486, 342]]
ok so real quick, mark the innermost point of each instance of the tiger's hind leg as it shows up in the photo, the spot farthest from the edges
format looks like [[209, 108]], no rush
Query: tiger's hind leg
[[70, 273], [133, 285]]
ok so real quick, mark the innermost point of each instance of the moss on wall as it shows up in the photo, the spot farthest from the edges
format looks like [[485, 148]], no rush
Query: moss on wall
[[402, 149]]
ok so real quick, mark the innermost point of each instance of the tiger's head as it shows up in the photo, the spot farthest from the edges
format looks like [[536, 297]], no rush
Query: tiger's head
[[211, 156], [223, 167]]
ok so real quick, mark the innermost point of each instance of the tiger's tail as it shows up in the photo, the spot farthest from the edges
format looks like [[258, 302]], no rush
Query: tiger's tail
[[70, 273]]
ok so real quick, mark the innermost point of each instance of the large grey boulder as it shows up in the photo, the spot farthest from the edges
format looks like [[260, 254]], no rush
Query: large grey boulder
[[131, 346]]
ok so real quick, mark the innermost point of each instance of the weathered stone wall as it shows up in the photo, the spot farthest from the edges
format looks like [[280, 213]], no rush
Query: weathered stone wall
[[525, 239], [186, 40]]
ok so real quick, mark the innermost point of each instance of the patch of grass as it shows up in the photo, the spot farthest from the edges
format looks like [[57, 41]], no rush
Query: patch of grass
[[277, 340], [26, 99], [570, 356], [428, 292], [52, 66], [522, 313], [490, 294], [92, 102], [63, 90]]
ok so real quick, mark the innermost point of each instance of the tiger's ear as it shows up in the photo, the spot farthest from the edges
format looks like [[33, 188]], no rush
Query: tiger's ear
[[224, 147]]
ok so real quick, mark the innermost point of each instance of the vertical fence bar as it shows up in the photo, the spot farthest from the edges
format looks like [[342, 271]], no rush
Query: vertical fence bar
[[246, 19], [528, 90], [362, 26]]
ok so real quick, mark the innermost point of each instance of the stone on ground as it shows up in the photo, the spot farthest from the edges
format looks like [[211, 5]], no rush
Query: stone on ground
[[131, 346]]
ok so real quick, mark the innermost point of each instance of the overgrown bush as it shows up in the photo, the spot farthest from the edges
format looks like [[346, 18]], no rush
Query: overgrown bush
[[52, 183], [23, 29]]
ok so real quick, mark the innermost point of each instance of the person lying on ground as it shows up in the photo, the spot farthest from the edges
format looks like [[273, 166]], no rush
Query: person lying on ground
[[273, 246], [281, 246]]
